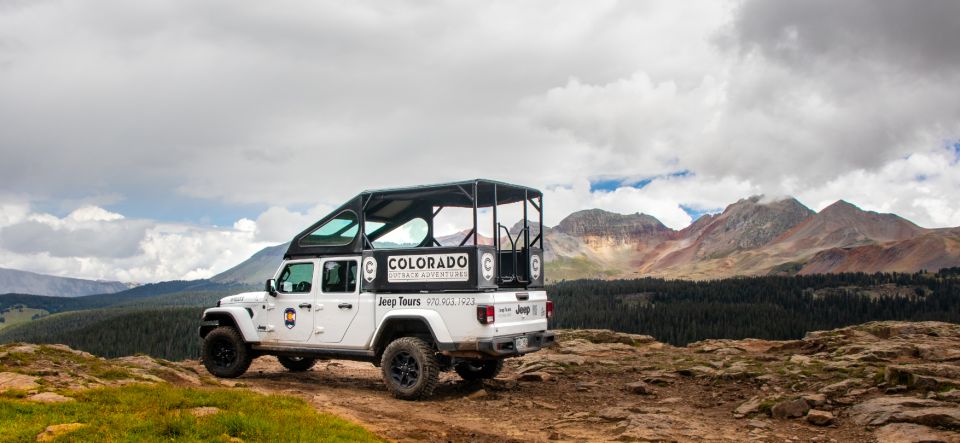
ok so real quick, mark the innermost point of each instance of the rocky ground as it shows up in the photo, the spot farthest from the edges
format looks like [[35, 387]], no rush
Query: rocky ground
[[883, 381]]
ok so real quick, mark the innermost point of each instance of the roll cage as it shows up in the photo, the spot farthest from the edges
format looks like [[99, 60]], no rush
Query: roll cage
[[363, 220]]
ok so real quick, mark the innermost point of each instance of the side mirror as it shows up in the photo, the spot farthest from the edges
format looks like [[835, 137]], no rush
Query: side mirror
[[271, 287]]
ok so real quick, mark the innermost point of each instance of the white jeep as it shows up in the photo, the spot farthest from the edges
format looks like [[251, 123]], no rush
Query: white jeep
[[414, 307]]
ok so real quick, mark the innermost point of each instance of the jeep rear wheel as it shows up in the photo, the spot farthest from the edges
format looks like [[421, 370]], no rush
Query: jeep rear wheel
[[297, 364], [410, 368], [478, 369], [225, 354]]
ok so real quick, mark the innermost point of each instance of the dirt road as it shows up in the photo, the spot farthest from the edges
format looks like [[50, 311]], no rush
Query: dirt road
[[582, 390]]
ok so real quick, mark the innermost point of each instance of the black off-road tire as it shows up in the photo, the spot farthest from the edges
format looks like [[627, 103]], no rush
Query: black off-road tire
[[471, 370], [225, 354], [297, 364], [410, 368]]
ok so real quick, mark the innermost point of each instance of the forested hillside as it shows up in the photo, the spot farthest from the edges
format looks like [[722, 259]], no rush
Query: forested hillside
[[673, 311], [680, 311]]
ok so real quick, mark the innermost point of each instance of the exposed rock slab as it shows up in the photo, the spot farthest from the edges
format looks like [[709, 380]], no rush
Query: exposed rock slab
[[15, 381], [883, 410], [912, 433]]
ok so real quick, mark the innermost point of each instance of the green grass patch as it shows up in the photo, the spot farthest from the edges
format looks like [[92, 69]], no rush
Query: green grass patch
[[18, 314], [156, 413]]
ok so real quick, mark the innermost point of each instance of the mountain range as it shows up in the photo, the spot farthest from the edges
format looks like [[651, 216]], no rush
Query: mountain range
[[23, 282], [754, 236]]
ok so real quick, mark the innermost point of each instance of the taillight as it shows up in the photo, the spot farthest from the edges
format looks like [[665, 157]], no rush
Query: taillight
[[549, 309], [485, 314]]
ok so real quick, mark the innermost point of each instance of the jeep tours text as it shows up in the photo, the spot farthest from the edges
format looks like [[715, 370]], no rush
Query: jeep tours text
[[348, 289]]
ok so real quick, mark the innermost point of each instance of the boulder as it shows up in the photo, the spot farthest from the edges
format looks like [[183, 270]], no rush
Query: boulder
[[820, 418], [911, 433], [790, 409], [883, 410]]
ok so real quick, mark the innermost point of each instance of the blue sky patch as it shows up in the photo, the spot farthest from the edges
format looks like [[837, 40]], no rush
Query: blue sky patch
[[611, 184], [696, 213]]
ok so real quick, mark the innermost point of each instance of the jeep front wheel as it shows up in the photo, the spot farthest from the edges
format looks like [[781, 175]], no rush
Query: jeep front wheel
[[297, 364], [225, 354], [478, 369], [410, 369]]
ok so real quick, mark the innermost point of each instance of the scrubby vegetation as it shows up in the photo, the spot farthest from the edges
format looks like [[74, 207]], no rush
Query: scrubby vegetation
[[166, 413]]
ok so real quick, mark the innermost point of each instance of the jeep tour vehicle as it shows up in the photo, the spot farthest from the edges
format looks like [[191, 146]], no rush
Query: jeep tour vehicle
[[371, 282]]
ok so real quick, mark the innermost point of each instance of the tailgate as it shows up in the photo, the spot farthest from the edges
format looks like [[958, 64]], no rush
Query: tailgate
[[520, 312]]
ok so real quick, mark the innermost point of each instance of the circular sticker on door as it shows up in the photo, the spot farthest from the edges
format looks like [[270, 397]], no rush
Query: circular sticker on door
[[369, 269], [535, 267], [486, 266]]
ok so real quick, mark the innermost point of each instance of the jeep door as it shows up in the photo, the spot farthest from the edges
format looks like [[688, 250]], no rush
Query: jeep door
[[338, 300], [290, 315]]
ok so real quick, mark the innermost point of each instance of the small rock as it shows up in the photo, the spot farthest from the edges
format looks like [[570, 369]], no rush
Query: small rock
[[49, 397], [670, 401], [895, 389], [535, 376], [758, 424], [748, 407], [53, 431], [815, 399], [790, 409], [476, 395], [613, 414], [555, 436], [698, 371], [801, 360], [820, 418], [840, 388], [639, 388]]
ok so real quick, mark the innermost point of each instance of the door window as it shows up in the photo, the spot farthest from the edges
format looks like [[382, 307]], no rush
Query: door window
[[339, 276], [296, 278]]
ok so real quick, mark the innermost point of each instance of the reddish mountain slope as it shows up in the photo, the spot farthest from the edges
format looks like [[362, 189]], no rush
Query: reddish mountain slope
[[750, 237]]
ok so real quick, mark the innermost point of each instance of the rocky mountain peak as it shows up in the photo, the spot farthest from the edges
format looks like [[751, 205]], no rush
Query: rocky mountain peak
[[600, 222], [749, 223]]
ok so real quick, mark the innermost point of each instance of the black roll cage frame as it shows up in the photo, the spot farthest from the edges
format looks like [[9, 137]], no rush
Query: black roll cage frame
[[473, 195]]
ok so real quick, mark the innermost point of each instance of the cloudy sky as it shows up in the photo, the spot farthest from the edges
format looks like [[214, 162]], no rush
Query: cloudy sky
[[170, 139]]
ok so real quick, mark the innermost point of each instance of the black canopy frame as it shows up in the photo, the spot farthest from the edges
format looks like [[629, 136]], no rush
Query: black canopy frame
[[397, 206]]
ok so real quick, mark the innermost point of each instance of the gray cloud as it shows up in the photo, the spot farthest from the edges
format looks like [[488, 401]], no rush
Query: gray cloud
[[106, 239], [300, 104], [920, 36]]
